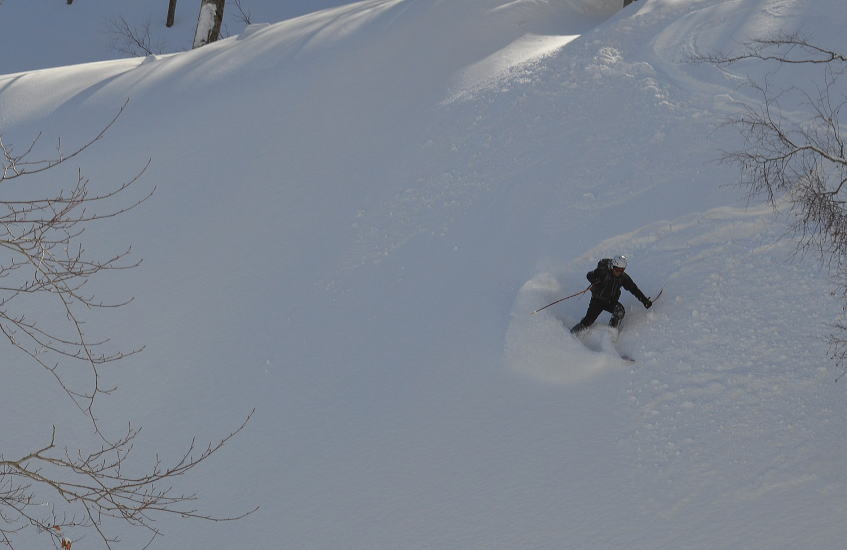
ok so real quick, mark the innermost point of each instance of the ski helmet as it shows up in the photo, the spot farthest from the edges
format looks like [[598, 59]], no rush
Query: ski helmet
[[619, 262]]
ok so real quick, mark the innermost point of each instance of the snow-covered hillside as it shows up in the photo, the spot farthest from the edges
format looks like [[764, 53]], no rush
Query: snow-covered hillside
[[356, 212], [51, 33]]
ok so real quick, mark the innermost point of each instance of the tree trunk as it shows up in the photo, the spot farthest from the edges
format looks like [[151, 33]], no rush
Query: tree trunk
[[171, 13], [209, 22]]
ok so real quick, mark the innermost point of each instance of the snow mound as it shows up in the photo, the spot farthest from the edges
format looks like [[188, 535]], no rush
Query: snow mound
[[506, 64]]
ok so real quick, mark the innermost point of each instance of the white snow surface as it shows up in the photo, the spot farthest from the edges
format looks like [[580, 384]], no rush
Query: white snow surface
[[356, 212]]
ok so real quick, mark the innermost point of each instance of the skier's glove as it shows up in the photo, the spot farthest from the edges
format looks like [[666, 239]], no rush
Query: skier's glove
[[648, 303]]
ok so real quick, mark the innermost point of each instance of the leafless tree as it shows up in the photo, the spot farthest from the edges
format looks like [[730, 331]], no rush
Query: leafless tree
[[801, 159], [133, 40], [58, 488]]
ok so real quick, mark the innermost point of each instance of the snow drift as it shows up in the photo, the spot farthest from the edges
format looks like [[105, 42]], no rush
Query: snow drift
[[356, 212]]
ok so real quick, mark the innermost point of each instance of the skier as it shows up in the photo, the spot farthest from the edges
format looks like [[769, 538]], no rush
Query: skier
[[606, 282]]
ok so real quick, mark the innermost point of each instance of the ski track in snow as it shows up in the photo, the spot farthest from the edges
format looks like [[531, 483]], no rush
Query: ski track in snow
[[698, 398]]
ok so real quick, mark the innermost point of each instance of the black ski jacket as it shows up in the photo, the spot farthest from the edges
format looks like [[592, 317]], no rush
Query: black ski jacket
[[607, 288]]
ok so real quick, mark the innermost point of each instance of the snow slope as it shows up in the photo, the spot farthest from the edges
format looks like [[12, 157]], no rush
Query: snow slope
[[356, 212], [49, 33]]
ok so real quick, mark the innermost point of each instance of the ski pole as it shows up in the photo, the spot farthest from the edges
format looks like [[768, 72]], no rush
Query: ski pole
[[563, 299]]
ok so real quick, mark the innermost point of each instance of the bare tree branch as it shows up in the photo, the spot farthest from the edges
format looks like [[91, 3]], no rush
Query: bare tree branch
[[801, 161], [46, 257], [132, 40], [60, 491], [791, 48], [244, 15], [56, 490]]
